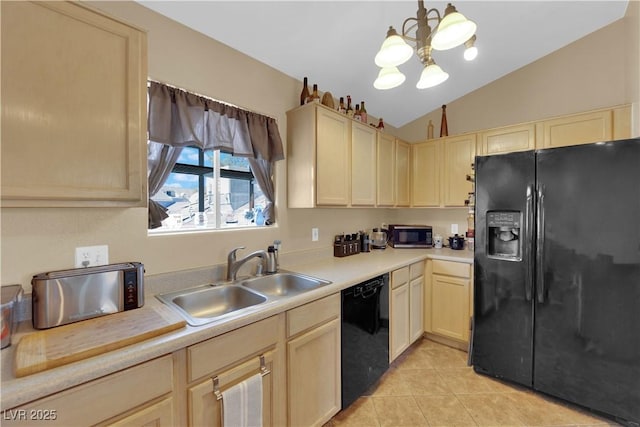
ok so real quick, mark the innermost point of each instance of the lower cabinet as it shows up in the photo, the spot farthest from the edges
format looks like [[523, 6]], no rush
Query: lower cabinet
[[313, 356], [226, 360], [406, 308], [448, 300], [140, 395]]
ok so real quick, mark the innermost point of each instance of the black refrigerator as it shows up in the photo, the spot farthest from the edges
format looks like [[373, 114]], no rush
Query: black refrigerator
[[557, 273]]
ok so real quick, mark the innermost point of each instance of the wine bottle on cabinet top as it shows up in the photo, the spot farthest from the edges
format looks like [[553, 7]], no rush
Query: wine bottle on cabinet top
[[357, 115], [444, 130], [430, 130], [341, 107], [363, 112], [350, 111], [314, 97], [305, 92]]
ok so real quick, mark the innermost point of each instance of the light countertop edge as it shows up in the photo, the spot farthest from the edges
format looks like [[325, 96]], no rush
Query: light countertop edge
[[342, 272]]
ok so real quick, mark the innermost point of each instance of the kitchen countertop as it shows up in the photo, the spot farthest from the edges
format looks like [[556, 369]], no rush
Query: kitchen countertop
[[342, 272]]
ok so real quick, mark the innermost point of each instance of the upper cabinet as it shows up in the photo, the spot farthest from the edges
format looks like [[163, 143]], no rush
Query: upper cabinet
[[386, 167], [584, 128], [73, 107], [318, 160], [508, 139], [363, 159], [426, 163], [403, 178]]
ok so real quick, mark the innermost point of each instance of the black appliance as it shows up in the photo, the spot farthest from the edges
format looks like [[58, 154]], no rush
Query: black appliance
[[365, 336], [557, 273], [410, 236]]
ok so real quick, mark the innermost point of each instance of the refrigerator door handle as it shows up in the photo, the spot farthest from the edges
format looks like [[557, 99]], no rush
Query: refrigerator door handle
[[528, 256], [540, 286]]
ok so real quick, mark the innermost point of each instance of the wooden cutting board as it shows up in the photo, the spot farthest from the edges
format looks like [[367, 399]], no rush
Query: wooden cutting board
[[59, 346]]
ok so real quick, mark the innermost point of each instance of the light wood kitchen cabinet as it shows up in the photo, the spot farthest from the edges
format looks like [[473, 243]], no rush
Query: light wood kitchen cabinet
[[130, 397], [577, 129], [231, 358], [416, 301], [459, 155], [313, 354], [73, 107], [448, 300], [363, 164], [386, 166], [508, 139], [402, 179], [399, 338], [319, 162], [426, 164], [406, 308]]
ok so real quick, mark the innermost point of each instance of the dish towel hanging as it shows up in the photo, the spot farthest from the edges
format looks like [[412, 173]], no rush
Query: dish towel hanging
[[242, 403]]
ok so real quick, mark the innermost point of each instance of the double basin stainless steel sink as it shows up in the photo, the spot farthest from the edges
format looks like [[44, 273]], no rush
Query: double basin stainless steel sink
[[212, 302]]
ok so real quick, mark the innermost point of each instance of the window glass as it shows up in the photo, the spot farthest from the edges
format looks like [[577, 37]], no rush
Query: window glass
[[198, 195]]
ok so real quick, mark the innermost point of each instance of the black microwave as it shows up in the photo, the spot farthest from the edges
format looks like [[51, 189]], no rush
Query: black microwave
[[410, 236]]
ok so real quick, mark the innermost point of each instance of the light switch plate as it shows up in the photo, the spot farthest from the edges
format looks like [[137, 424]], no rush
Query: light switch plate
[[454, 228], [314, 234]]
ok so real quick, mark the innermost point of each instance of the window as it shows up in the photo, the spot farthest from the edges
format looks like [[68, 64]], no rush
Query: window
[[210, 189]]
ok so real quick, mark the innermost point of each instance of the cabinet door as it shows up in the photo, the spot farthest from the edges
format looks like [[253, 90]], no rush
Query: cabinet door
[[386, 170], [577, 129], [399, 328], [459, 155], [416, 290], [156, 415], [314, 375], [425, 174], [450, 307], [403, 150], [508, 139], [73, 107], [333, 164], [205, 410], [363, 165]]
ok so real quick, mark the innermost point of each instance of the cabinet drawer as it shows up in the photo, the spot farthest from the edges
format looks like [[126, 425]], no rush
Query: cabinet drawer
[[315, 313], [214, 354], [450, 268], [106, 397], [416, 270], [399, 277]]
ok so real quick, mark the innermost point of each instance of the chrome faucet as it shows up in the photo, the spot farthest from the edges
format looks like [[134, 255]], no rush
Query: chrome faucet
[[233, 266]]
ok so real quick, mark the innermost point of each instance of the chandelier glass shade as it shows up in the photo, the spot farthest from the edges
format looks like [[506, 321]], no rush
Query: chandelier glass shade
[[451, 30], [388, 78]]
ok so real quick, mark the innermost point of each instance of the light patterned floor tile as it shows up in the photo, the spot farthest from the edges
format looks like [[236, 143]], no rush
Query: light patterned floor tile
[[360, 413], [444, 411], [398, 411]]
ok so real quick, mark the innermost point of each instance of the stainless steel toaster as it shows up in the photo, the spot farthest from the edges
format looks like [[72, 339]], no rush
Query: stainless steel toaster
[[67, 296]]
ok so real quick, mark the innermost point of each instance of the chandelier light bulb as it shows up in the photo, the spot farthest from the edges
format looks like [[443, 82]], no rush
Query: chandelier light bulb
[[388, 78], [470, 53]]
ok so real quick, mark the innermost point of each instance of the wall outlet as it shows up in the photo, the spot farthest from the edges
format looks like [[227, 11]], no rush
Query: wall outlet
[[314, 234], [454, 228], [92, 256]]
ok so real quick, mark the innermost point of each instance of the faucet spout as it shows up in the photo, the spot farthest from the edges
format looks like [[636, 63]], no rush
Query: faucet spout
[[233, 266]]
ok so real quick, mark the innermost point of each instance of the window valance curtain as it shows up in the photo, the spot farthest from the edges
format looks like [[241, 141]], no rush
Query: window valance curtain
[[179, 119]]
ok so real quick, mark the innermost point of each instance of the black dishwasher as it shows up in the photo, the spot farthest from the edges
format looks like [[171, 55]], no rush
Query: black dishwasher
[[365, 336]]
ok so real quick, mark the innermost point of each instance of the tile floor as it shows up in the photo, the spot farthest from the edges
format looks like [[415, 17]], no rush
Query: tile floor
[[431, 385]]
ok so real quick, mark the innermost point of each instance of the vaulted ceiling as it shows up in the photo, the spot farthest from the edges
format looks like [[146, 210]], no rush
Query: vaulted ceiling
[[334, 42]]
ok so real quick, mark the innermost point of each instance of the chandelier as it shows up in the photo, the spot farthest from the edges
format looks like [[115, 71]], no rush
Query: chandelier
[[451, 30]]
